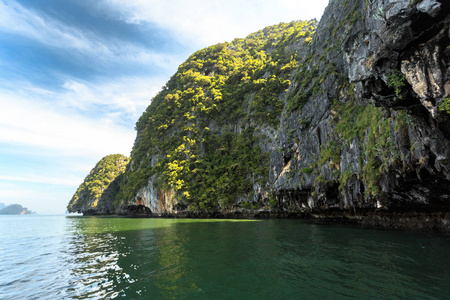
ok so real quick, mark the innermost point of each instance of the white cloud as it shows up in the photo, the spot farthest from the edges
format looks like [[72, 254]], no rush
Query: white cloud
[[48, 149], [120, 100], [211, 22], [14, 194], [123, 96], [30, 123]]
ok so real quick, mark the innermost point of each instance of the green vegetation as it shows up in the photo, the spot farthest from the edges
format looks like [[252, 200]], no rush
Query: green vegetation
[[235, 88], [402, 122], [307, 170], [445, 105], [204, 137], [108, 169], [397, 81], [366, 124]]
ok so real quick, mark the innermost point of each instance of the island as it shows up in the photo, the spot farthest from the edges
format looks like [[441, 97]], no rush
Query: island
[[15, 209], [346, 119]]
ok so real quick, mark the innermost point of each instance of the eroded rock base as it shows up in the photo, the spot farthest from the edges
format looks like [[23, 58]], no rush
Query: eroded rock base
[[424, 221], [135, 211]]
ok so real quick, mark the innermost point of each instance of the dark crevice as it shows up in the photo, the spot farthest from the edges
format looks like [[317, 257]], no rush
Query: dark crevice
[[428, 28], [433, 189], [332, 194]]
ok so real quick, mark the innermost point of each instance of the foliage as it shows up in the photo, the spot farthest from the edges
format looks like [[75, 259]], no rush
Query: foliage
[[402, 122], [247, 205], [414, 2], [366, 124], [379, 15], [397, 81], [318, 65], [273, 203], [307, 170], [445, 105], [97, 181]]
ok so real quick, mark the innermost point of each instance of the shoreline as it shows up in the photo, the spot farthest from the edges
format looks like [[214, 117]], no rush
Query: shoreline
[[437, 221]]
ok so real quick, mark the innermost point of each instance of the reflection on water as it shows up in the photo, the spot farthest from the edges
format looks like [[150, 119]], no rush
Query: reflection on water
[[110, 257], [171, 260], [105, 258]]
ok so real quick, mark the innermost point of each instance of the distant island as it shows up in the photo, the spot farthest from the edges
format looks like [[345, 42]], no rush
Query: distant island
[[14, 209]]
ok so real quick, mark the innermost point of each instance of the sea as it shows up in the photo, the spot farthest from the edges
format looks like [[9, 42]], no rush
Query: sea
[[75, 257]]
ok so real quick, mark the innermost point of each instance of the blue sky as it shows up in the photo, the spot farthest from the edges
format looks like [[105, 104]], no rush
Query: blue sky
[[76, 75]]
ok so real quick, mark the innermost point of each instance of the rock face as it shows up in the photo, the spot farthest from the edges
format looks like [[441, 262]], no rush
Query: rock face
[[375, 138], [15, 209], [97, 194], [356, 121]]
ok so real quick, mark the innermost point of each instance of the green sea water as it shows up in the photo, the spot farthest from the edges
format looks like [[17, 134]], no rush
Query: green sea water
[[58, 257]]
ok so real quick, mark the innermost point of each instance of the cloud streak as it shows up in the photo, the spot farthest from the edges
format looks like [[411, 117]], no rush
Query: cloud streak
[[42, 29], [16, 19]]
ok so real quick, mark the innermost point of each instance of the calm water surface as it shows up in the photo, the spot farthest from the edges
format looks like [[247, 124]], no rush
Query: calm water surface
[[58, 257]]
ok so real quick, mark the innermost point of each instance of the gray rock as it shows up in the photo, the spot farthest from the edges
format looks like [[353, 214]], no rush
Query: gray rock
[[431, 7], [372, 53], [398, 9]]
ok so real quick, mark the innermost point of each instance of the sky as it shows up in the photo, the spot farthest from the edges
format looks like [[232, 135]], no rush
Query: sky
[[76, 75]]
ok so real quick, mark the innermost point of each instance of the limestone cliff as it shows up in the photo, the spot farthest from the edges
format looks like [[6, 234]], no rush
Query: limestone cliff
[[204, 141], [372, 136], [97, 193], [351, 117]]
